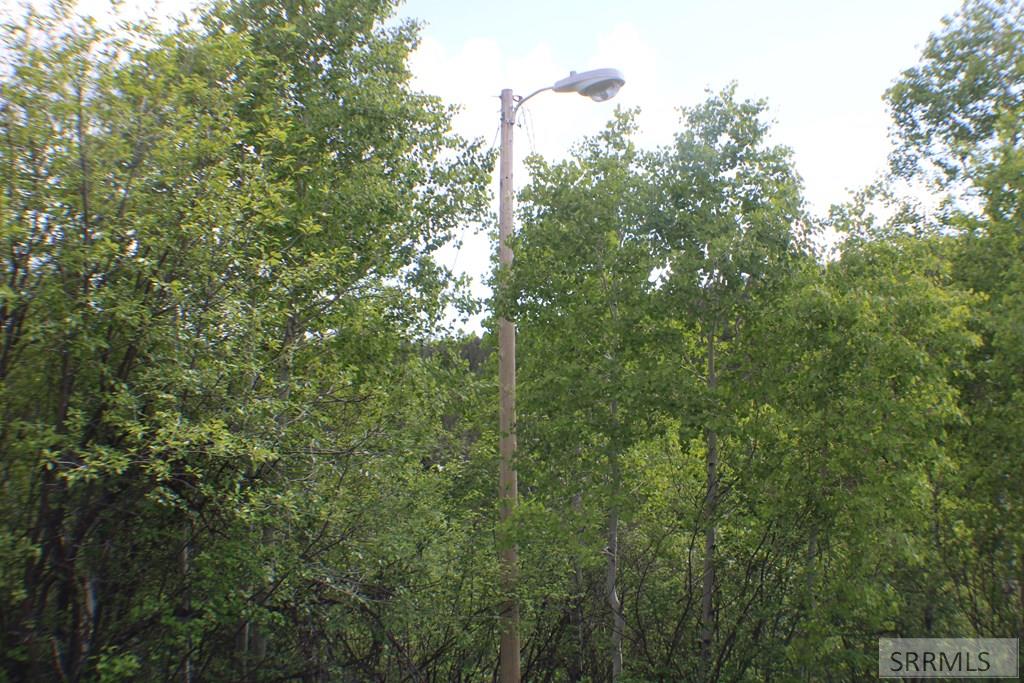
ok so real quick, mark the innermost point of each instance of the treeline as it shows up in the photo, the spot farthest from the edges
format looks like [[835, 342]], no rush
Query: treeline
[[238, 443]]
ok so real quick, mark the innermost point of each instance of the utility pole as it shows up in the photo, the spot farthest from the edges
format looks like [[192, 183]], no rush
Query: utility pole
[[599, 85], [508, 486]]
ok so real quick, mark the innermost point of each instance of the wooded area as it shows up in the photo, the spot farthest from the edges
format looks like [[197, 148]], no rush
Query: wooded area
[[239, 443]]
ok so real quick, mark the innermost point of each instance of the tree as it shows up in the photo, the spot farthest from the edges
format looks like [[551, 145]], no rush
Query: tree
[[217, 268], [947, 110], [582, 276], [855, 411], [729, 220], [961, 108]]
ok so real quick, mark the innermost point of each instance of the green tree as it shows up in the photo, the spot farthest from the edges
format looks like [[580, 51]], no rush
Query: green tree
[[729, 219], [962, 108], [582, 276], [948, 109], [854, 415], [214, 396]]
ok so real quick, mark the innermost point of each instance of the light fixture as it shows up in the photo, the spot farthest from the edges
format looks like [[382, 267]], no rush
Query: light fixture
[[599, 84]]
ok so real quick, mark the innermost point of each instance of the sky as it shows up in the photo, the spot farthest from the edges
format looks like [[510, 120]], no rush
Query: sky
[[822, 65]]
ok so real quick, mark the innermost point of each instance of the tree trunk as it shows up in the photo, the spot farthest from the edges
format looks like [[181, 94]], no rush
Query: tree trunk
[[186, 604], [253, 642], [707, 631], [618, 621], [578, 662], [811, 579], [611, 580]]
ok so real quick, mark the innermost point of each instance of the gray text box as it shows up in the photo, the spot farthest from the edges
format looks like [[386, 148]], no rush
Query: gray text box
[[948, 657]]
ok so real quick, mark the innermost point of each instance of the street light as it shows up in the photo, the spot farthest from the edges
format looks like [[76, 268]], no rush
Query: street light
[[599, 85]]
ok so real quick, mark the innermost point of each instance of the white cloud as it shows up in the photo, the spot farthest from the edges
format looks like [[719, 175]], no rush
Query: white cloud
[[473, 76], [625, 48]]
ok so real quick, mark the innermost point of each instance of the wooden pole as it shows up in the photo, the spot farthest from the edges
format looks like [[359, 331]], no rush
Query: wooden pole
[[508, 490]]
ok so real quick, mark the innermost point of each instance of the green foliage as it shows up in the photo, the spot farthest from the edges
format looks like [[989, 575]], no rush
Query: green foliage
[[951, 108], [218, 287], [238, 444], [962, 108]]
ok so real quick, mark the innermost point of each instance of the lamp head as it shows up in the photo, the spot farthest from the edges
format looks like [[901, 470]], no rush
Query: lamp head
[[599, 84]]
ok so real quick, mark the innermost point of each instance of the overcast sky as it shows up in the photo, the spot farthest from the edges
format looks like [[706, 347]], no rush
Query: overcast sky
[[822, 65]]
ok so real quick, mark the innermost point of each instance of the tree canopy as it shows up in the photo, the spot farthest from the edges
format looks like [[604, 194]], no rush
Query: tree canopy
[[240, 441]]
